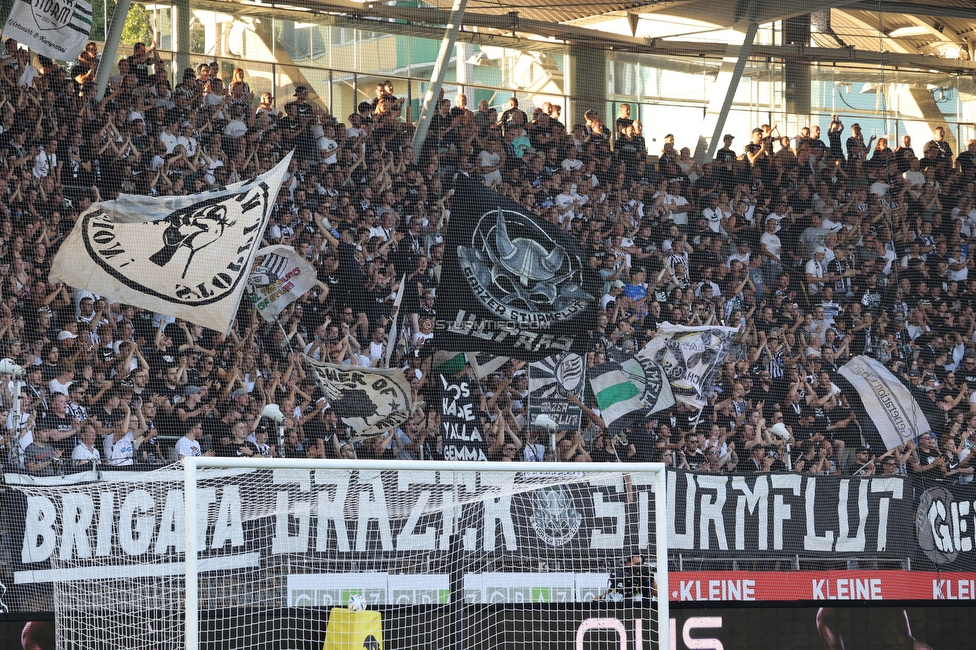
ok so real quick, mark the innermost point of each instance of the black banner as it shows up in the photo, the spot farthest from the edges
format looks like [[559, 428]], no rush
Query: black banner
[[789, 513], [512, 284], [551, 382], [945, 527], [461, 423]]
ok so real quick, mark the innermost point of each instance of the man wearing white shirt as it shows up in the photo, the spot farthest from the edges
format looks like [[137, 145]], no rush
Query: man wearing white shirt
[[742, 253], [914, 175], [237, 126], [170, 135], [958, 264], [328, 147], [571, 162], [566, 203], [713, 214], [677, 204], [781, 212], [356, 133], [815, 271], [85, 453], [189, 444], [188, 139]]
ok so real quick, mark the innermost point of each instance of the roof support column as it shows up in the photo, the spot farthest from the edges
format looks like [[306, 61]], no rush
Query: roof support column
[[429, 106], [111, 49], [181, 30], [586, 82], [733, 64]]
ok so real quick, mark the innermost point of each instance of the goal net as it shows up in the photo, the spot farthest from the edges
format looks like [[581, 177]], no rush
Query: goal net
[[453, 556]]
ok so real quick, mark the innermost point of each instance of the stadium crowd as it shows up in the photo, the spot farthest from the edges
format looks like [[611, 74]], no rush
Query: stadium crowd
[[816, 250]]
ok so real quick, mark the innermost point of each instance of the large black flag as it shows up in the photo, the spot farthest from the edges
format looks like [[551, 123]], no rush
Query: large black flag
[[511, 283]]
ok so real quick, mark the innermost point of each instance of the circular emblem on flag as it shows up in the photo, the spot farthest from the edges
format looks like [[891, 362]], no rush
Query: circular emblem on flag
[[519, 271], [569, 374], [935, 525], [554, 519], [195, 256]]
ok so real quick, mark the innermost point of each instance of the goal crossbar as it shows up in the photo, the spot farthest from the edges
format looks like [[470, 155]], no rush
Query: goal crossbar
[[191, 465]]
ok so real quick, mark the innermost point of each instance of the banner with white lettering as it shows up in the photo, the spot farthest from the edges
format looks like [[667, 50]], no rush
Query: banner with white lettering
[[690, 357], [551, 383], [512, 283], [248, 518], [792, 514], [182, 256], [279, 277], [367, 401], [895, 416], [54, 28], [945, 527], [463, 423]]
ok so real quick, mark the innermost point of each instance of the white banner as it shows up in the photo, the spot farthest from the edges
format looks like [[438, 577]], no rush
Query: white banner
[[54, 28], [367, 401], [889, 404], [185, 256], [690, 357], [281, 277]]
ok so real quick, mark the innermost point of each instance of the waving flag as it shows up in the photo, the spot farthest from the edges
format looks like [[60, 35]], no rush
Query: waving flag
[[895, 416], [648, 376], [690, 357], [617, 396], [551, 382], [280, 277], [367, 401], [512, 284], [58, 30], [184, 256], [628, 387]]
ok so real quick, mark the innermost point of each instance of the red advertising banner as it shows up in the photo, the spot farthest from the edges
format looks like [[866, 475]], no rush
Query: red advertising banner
[[727, 586]]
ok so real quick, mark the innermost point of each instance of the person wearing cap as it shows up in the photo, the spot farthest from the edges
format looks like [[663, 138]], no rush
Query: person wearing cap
[[725, 159], [41, 458], [188, 138], [615, 291], [757, 151]]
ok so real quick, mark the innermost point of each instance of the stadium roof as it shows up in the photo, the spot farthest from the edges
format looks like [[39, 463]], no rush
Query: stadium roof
[[931, 35]]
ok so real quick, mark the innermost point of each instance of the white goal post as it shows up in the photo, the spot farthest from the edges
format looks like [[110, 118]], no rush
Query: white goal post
[[641, 508], [222, 554]]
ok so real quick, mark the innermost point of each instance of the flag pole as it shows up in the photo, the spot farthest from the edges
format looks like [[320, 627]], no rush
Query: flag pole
[[393, 334]]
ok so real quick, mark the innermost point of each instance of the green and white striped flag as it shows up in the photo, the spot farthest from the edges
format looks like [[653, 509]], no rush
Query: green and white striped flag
[[617, 396]]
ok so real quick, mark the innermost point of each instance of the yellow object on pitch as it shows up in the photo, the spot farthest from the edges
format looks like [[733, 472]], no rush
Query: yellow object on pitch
[[349, 630]]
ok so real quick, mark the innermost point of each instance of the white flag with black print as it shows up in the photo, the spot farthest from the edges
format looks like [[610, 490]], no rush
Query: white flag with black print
[[367, 401], [894, 417], [56, 29], [280, 277], [690, 357], [183, 256]]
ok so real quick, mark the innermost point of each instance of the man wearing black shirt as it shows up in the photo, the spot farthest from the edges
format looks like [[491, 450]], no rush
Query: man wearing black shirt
[[725, 161], [140, 61], [966, 161]]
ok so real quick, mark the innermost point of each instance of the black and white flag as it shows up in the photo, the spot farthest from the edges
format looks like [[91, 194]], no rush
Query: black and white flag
[[690, 357], [462, 421], [367, 401], [280, 277], [895, 416], [54, 28], [184, 256], [551, 382], [512, 284]]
